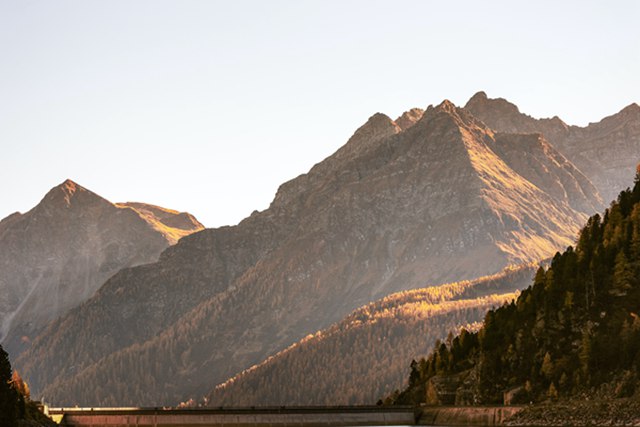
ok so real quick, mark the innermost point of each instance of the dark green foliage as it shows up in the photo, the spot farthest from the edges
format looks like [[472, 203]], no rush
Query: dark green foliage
[[8, 395], [16, 408], [576, 327]]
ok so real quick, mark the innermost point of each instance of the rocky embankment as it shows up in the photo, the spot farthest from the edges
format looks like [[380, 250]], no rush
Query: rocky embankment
[[467, 415], [592, 412]]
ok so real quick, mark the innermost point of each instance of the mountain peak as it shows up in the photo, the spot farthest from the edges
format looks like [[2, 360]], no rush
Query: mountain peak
[[376, 128], [447, 106], [503, 116], [480, 96], [69, 188], [377, 122], [480, 102], [409, 118], [68, 192], [452, 113], [632, 108]]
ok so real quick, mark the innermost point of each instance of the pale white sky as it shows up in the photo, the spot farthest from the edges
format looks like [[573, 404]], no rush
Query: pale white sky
[[207, 106]]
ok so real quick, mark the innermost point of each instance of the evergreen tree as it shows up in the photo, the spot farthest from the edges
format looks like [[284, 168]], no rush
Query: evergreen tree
[[623, 276], [8, 395]]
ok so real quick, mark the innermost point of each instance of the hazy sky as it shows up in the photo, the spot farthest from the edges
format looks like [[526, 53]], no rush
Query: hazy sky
[[207, 106]]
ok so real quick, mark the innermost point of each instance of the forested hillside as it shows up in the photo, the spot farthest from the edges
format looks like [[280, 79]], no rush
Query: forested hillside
[[364, 356], [576, 329]]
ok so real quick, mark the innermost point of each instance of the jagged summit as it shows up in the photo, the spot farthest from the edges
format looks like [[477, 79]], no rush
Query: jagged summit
[[460, 116], [68, 193], [503, 116], [479, 96], [447, 106], [606, 151], [409, 118], [377, 127], [68, 187], [632, 108], [480, 99], [628, 115]]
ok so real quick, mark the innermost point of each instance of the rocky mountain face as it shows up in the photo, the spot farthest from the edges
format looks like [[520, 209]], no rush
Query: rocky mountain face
[[57, 255], [432, 197], [607, 151], [364, 357]]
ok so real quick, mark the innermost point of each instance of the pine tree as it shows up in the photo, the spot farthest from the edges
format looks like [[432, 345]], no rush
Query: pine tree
[[622, 275], [8, 395], [547, 366], [552, 393]]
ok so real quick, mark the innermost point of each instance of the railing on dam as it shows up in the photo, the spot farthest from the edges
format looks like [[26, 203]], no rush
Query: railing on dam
[[237, 417]]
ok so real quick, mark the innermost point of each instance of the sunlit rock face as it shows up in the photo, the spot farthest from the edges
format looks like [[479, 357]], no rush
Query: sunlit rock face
[[58, 254], [434, 196], [607, 151]]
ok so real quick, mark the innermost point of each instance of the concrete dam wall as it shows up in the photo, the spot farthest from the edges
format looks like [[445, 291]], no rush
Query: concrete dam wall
[[244, 417]]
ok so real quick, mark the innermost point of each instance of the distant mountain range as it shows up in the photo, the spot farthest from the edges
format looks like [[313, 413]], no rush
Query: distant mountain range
[[435, 196], [57, 255]]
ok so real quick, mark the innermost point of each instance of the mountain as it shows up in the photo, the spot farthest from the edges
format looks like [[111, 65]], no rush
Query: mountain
[[433, 197], [575, 332], [57, 255], [606, 151], [364, 356]]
